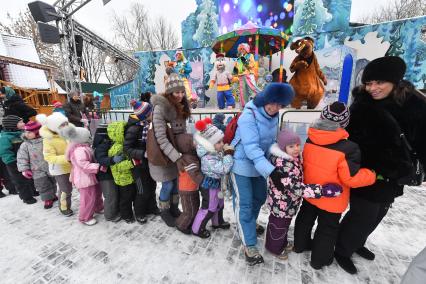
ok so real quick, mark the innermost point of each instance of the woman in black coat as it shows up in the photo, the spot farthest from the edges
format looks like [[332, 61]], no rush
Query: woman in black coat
[[383, 106], [15, 105]]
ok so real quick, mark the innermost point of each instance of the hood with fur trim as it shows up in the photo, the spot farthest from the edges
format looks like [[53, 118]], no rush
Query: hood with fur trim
[[277, 152], [75, 134], [204, 146], [169, 110]]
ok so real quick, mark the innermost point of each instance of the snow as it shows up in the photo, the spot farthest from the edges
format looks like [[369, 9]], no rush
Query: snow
[[42, 246]]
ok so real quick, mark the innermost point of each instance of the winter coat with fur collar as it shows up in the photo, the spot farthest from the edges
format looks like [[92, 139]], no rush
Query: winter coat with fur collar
[[54, 147], [379, 141], [165, 114], [285, 197]]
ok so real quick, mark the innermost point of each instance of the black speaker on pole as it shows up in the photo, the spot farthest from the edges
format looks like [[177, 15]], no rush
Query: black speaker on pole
[[48, 33], [78, 45], [43, 12]]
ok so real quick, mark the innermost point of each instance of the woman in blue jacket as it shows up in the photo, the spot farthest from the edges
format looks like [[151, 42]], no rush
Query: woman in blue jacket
[[256, 132]]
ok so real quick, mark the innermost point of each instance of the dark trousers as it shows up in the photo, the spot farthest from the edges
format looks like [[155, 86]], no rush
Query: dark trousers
[[127, 196], [325, 235], [4, 175], [111, 199], [359, 222], [145, 200], [276, 234], [25, 187], [190, 201]]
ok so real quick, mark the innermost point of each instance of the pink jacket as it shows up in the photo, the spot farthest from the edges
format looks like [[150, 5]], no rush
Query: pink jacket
[[83, 171]]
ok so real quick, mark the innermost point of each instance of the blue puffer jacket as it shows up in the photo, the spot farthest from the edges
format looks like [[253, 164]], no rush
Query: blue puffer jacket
[[255, 134]]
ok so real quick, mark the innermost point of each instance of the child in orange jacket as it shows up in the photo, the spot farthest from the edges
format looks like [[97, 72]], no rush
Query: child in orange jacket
[[328, 157]]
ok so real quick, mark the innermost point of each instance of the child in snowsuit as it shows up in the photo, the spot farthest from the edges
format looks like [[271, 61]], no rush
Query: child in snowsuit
[[145, 202], [101, 145], [285, 191], [32, 165], [122, 171], [54, 147], [188, 182], [83, 172], [328, 158], [216, 161], [10, 139]]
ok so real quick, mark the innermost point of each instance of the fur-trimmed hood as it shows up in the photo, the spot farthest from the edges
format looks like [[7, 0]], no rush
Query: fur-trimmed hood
[[277, 152], [168, 109], [204, 146]]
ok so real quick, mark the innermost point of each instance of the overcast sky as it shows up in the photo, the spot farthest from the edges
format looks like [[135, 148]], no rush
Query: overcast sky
[[97, 17]]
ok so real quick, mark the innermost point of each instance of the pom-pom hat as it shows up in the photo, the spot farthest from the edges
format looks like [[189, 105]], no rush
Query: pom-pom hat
[[280, 93], [174, 84], [388, 69], [208, 134], [141, 109], [53, 121]]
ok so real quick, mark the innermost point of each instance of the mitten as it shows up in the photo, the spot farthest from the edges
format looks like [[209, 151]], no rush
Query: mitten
[[27, 174], [228, 149], [331, 190], [117, 159]]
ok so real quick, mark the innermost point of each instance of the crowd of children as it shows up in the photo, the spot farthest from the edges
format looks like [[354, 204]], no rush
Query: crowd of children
[[50, 155]]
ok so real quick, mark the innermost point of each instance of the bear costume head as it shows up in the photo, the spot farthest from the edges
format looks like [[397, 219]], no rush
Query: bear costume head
[[304, 47]]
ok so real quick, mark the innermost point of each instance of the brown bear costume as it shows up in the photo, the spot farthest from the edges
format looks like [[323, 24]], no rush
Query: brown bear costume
[[308, 80]]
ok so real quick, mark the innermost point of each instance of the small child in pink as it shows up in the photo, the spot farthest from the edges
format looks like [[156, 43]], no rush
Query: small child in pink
[[83, 173]]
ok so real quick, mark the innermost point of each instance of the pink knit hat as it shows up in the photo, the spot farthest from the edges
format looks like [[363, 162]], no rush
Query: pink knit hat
[[287, 137], [32, 126], [57, 104]]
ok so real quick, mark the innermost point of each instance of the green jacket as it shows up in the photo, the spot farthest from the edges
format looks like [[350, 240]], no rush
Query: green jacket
[[9, 145], [121, 172]]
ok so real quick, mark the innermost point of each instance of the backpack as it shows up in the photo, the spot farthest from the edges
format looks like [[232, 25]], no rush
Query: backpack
[[231, 128]]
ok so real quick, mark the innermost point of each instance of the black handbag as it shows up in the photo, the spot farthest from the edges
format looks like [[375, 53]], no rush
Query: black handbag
[[417, 174]]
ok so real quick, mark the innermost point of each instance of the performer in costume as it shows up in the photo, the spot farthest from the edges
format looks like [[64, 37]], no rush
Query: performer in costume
[[183, 68], [222, 79], [245, 69]]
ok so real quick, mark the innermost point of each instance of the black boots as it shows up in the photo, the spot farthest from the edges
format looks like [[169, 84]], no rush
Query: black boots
[[174, 207], [345, 263], [365, 253], [166, 215]]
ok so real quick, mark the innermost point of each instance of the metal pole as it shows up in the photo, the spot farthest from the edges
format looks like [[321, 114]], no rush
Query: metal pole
[[74, 56], [282, 60]]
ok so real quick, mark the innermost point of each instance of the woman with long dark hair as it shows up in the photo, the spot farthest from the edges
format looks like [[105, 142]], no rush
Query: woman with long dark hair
[[384, 107], [170, 108]]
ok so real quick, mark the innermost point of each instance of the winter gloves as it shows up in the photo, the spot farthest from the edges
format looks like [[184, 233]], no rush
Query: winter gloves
[[228, 149], [27, 174], [331, 190], [117, 159]]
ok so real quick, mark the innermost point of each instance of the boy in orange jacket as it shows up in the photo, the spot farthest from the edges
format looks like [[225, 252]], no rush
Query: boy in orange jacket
[[329, 157]]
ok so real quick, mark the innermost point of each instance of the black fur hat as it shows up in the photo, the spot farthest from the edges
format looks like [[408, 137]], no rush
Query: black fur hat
[[389, 69]]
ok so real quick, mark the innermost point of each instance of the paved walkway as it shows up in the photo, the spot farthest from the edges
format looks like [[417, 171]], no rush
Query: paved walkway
[[40, 246]]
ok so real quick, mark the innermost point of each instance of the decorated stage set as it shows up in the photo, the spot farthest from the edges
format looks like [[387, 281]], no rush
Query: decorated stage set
[[245, 44]]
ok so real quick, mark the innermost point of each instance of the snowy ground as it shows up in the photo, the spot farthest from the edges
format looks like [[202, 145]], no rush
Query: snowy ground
[[41, 246]]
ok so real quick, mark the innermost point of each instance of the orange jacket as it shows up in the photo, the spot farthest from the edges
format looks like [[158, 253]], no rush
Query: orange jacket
[[330, 158], [186, 183]]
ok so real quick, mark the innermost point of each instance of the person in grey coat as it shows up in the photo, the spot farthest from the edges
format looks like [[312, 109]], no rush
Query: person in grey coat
[[170, 108], [31, 164]]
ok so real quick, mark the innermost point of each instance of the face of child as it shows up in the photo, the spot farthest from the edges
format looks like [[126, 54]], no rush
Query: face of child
[[30, 135], [219, 146], [293, 150], [20, 125]]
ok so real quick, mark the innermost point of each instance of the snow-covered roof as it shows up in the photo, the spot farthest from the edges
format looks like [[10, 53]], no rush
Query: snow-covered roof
[[24, 49]]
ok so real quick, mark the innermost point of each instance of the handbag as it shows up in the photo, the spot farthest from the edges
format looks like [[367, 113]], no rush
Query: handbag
[[417, 174], [154, 153]]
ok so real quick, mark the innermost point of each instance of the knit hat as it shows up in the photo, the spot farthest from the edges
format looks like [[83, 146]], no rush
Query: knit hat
[[10, 122], [75, 134], [336, 112], [56, 104], [52, 121], [281, 93], [388, 69], [287, 137], [32, 126], [207, 134], [174, 84], [141, 109]]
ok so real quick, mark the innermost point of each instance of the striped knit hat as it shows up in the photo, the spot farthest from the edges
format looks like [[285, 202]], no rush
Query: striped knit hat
[[32, 126], [336, 112], [10, 122], [207, 134], [141, 109], [174, 84]]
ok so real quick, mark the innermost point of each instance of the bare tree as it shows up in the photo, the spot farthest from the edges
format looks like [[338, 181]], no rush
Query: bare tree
[[136, 31], [118, 72], [93, 61], [25, 26], [395, 10]]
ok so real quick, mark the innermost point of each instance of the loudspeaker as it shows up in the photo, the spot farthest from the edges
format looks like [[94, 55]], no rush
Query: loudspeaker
[[78, 45], [43, 12], [48, 33]]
